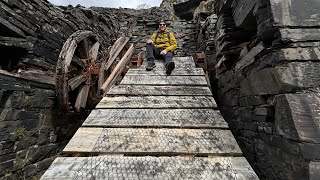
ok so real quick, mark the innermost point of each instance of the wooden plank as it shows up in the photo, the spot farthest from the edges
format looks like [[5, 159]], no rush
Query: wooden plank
[[176, 61], [136, 168], [177, 72], [82, 97], [164, 80], [139, 141], [76, 81], [160, 65], [186, 118], [141, 90], [186, 59], [84, 49], [117, 48], [117, 70], [78, 62], [154, 102], [93, 52]]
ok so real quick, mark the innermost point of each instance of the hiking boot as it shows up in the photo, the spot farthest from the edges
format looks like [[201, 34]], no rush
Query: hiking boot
[[150, 65], [170, 67]]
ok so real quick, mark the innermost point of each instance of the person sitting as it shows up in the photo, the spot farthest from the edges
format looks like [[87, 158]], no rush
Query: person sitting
[[161, 46]]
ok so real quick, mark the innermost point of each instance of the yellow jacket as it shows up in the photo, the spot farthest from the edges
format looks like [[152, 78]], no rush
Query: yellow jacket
[[163, 42]]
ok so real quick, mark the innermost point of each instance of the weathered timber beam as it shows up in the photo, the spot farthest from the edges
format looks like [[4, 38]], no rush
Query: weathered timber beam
[[93, 52], [77, 61], [116, 51], [84, 53], [82, 97], [117, 70], [76, 81]]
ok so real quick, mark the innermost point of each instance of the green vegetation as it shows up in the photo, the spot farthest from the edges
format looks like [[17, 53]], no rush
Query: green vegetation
[[21, 133]]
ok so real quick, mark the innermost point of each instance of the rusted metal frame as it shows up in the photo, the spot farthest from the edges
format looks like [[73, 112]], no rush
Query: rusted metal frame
[[136, 61], [201, 60]]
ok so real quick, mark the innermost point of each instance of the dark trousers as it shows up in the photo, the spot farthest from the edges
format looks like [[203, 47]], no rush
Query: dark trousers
[[154, 53]]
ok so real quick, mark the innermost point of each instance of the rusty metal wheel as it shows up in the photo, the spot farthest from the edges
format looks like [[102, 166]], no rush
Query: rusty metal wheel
[[77, 73]]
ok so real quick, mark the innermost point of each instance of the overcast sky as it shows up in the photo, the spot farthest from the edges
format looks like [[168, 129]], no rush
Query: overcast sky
[[107, 3]]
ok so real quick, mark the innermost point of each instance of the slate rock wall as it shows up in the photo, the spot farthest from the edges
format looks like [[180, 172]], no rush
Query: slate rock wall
[[139, 25], [32, 129], [265, 73]]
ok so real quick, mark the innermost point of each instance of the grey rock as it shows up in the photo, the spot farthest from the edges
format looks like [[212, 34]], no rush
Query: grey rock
[[263, 112], [9, 114], [44, 164], [314, 170], [288, 13], [296, 116], [285, 78]]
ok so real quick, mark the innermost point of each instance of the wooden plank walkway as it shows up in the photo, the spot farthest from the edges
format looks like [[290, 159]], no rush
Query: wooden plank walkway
[[156, 102], [154, 126], [174, 118], [137, 168], [141, 90]]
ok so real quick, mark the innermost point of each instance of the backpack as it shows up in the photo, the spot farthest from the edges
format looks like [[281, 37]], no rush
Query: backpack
[[168, 34]]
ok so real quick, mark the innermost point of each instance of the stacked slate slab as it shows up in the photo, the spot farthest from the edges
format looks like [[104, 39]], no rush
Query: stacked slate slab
[[206, 37], [186, 37], [184, 31], [154, 126], [267, 79]]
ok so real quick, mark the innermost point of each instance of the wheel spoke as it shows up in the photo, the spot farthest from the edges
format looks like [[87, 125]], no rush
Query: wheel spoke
[[84, 50], [76, 81], [78, 62], [93, 53], [82, 97]]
